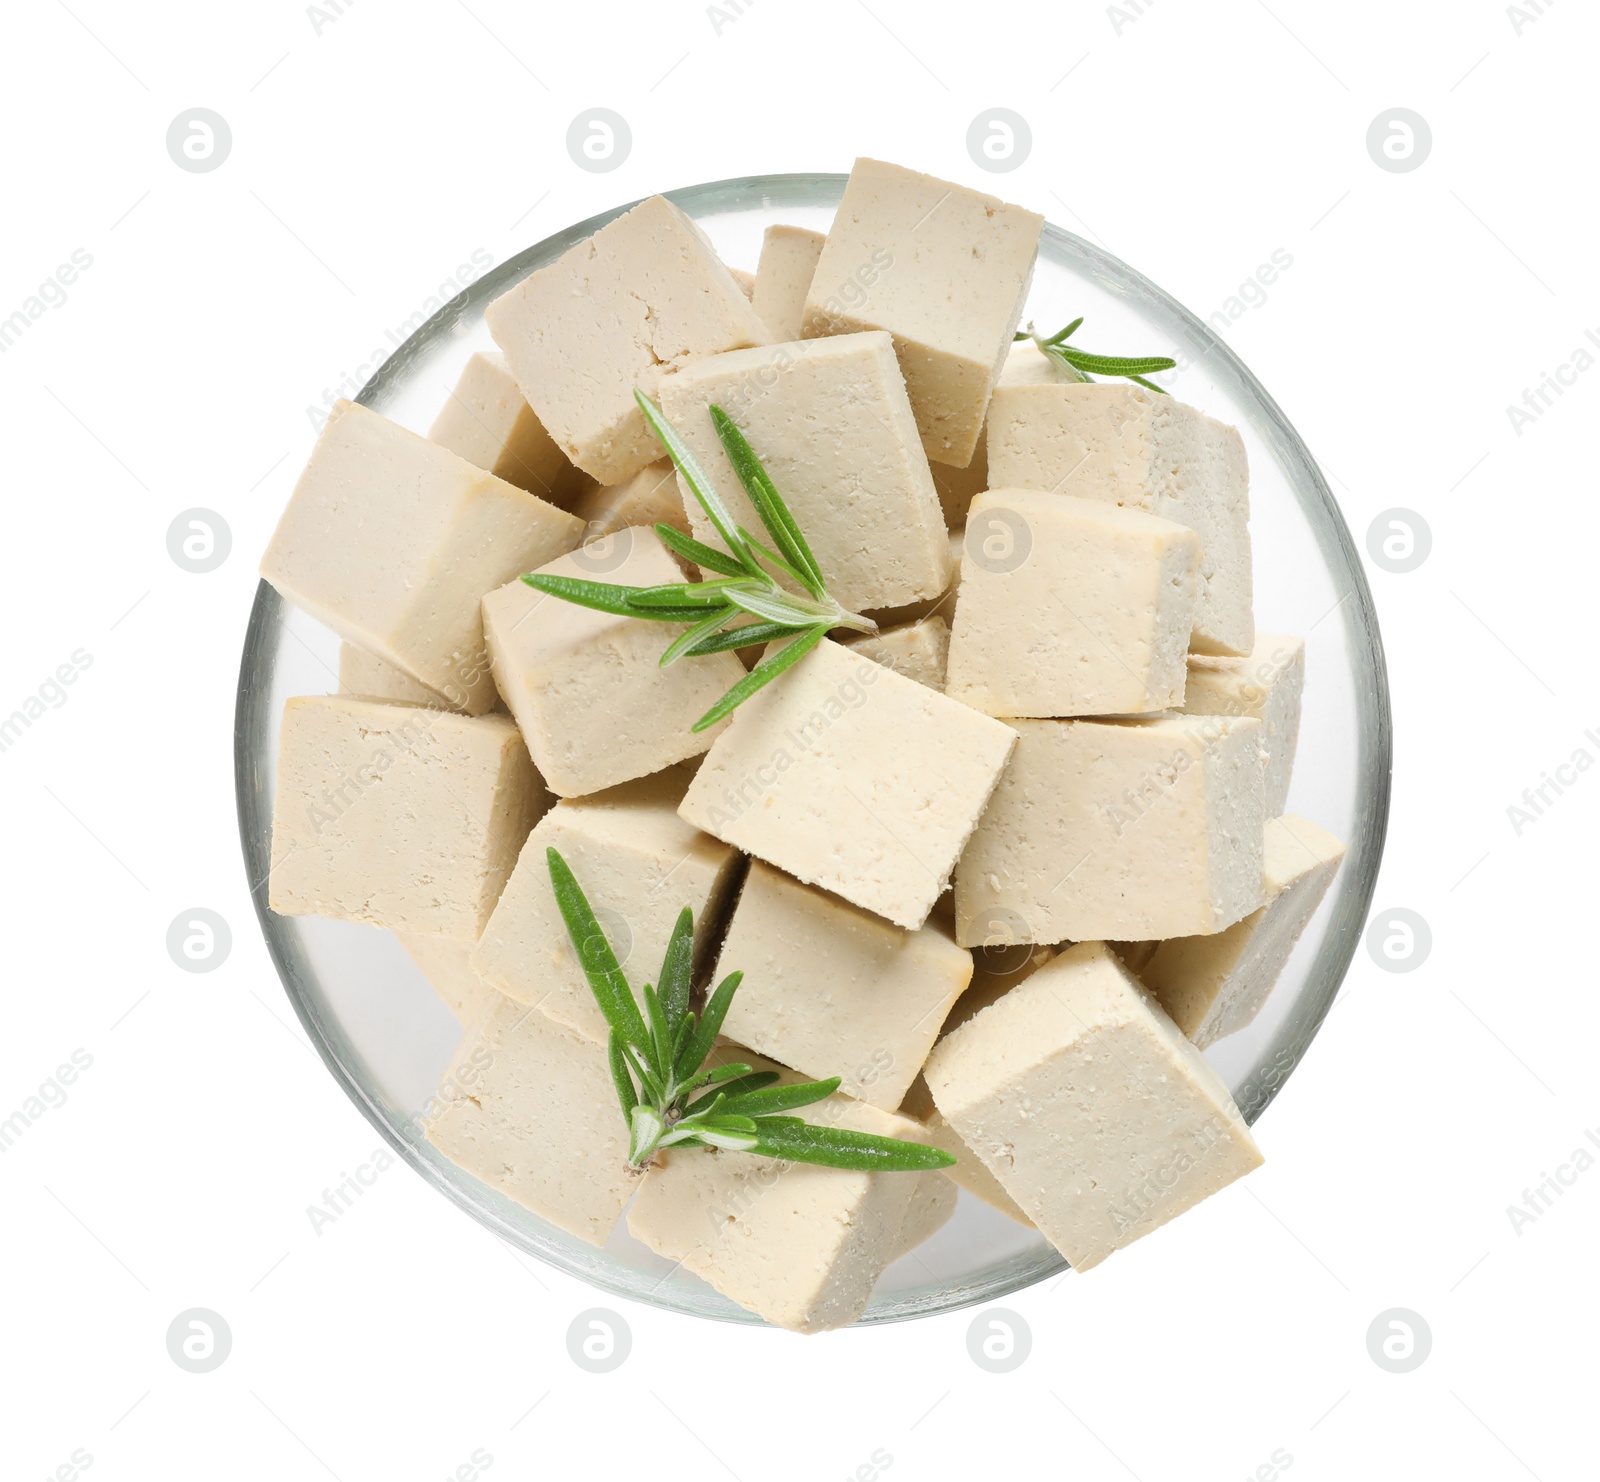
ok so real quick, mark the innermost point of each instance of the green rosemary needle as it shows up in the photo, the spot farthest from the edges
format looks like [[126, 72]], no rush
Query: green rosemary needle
[[1085, 365]]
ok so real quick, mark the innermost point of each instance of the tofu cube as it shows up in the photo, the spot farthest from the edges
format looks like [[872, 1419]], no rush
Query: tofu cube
[[1106, 830], [852, 778], [392, 543], [1266, 684], [1071, 607], [1214, 986], [919, 651], [487, 422], [943, 269], [783, 274], [1125, 445], [914, 612], [638, 863], [830, 989], [446, 966], [398, 816], [798, 1245], [491, 1119], [361, 673], [1090, 1108], [587, 688], [745, 279], [830, 421], [623, 309], [648, 499]]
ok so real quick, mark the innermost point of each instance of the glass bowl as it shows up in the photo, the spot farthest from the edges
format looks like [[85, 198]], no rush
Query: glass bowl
[[386, 1037]]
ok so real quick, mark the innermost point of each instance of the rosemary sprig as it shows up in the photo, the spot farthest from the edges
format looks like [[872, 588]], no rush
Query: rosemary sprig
[[657, 1060], [1085, 365], [745, 585]]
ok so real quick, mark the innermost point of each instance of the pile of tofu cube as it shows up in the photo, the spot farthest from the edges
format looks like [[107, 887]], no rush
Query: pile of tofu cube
[[1005, 866]]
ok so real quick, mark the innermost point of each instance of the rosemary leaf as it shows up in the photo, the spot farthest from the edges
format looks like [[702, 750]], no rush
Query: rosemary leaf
[[677, 967], [837, 1147], [781, 525], [699, 485], [693, 1055], [770, 667], [768, 1100], [702, 555], [595, 956], [690, 639], [741, 637]]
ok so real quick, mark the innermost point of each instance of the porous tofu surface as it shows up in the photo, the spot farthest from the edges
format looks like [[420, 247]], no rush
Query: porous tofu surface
[[398, 816], [1071, 607], [1089, 1106], [444, 962], [392, 542], [492, 1119], [638, 863], [833, 990], [587, 688], [831, 423], [486, 421], [853, 778], [621, 310], [648, 499], [1267, 683], [798, 1245], [1125, 445], [942, 268], [361, 673], [1215, 986], [788, 261], [1117, 830], [919, 650]]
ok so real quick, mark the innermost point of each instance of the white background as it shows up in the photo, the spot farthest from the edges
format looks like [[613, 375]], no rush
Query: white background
[[373, 152]]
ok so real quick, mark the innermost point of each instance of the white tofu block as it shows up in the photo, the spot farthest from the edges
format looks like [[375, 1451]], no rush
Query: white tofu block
[[493, 1121], [969, 1171], [625, 308], [1071, 607], [361, 673], [1106, 830], [1214, 986], [933, 1200], [1136, 955], [830, 421], [1089, 1107], [1125, 445], [648, 499], [852, 778], [944, 605], [587, 688], [392, 543], [919, 651], [745, 279], [788, 261], [396, 815], [945, 270], [1266, 684], [487, 422], [1028, 365], [833, 990], [798, 1245], [638, 863], [444, 963]]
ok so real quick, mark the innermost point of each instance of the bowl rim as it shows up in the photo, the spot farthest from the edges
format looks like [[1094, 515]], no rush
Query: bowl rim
[[254, 716]]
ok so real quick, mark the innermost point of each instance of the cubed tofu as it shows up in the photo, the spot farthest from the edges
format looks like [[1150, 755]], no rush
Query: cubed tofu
[[830, 421], [1267, 684], [852, 778], [392, 542], [1082, 1098], [638, 863], [625, 308], [1071, 607], [1028, 365], [798, 1245], [917, 650], [445, 964], [928, 1211], [833, 990], [398, 816], [487, 422], [648, 499], [1125, 445], [587, 688], [361, 673], [745, 279], [1214, 986], [492, 1119], [944, 605], [788, 261], [1105, 830], [945, 270]]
